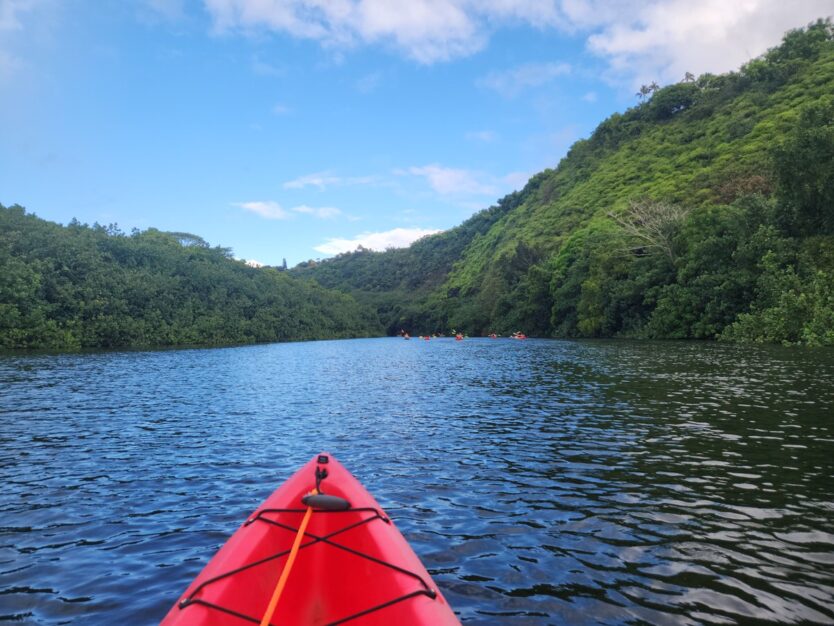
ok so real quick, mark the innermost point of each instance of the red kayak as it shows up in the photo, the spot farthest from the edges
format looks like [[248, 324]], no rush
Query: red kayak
[[319, 551]]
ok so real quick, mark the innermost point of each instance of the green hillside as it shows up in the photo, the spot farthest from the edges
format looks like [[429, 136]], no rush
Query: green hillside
[[705, 211], [397, 283], [67, 287]]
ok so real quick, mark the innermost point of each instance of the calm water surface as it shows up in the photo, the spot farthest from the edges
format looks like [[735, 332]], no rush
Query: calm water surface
[[541, 482]]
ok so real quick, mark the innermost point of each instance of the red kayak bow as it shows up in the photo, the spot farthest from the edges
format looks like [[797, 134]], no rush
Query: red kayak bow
[[319, 551]]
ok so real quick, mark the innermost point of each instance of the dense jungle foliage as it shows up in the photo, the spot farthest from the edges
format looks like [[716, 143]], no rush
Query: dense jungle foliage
[[706, 211], [67, 287]]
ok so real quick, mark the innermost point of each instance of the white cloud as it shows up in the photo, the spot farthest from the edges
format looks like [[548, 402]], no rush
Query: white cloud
[[426, 31], [326, 179], [268, 209], [450, 181], [662, 40], [396, 238], [639, 39], [271, 210], [510, 83], [591, 96], [317, 179], [446, 181], [253, 263], [280, 109], [324, 212]]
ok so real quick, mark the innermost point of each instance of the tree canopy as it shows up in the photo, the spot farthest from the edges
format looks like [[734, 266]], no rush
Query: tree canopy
[[80, 286]]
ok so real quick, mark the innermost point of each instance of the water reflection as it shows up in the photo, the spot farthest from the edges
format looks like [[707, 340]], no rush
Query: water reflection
[[541, 482]]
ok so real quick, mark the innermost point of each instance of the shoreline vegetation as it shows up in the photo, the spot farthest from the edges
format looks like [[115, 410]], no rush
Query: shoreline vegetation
[[704, 212], [79, 286]]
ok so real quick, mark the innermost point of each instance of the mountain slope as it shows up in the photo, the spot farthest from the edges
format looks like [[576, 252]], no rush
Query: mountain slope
[[567, 258], [397, 283]]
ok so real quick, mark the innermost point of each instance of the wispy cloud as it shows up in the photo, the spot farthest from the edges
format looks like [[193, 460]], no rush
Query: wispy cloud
[[396, 238], [271, 210], [451, 181], [268, 209], [324, 212], [591, 96], [280, 109], [318, 179], [446, 181], [326, 179], [510, 83]]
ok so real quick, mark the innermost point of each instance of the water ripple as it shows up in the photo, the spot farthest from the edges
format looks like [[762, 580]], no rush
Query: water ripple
[[542, 482]]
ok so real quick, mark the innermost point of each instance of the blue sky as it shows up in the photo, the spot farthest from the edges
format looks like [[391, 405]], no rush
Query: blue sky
[[298, 128]]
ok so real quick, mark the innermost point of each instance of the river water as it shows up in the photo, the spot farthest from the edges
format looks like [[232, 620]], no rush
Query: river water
[[541, 482]]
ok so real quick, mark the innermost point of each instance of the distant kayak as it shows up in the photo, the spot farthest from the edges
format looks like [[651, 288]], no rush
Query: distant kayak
[[318, 551]]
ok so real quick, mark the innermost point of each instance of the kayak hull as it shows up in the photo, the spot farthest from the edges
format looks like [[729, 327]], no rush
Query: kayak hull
[[353, 566]]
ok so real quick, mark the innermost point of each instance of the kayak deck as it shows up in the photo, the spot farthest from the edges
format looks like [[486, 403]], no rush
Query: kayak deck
[[353, 566]]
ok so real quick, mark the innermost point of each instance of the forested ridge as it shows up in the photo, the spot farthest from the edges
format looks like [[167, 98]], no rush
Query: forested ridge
[[75, 286], [705, 211]]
